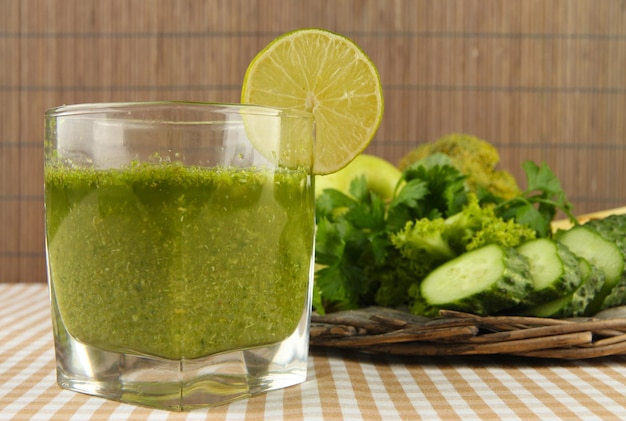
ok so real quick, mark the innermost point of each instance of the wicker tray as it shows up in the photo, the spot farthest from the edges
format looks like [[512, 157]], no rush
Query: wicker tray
[[387, 331]]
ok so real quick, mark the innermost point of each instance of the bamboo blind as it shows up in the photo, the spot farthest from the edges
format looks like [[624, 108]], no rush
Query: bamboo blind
[[542, 80]]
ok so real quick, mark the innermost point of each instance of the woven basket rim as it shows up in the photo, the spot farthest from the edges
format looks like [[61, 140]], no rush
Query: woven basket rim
[[381, 330]]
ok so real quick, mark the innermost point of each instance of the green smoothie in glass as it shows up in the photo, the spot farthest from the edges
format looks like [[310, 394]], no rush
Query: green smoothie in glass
[[179, 261], [179, 241]]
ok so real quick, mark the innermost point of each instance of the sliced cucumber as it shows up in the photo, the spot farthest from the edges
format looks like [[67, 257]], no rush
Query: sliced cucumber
[[553, 268], [613, 228], [575, 303], [616, 297], [482, 281], [589, 244]]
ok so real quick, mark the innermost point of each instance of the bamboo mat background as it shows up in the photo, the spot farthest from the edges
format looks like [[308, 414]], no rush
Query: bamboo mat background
[[542, 80]]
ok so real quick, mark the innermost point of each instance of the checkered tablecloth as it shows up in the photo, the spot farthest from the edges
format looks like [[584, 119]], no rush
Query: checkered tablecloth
[[341, 385]]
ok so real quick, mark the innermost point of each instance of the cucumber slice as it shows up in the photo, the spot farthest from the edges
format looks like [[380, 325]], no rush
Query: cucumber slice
[[554, 269], [589, 244], [616, 297], [575, 303], [613, 228], [482, 281]]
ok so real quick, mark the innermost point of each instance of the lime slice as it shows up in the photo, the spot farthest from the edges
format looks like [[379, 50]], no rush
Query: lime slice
[[328, 75]]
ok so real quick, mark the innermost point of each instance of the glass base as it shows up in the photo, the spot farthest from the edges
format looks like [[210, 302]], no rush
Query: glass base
[[180, 384]]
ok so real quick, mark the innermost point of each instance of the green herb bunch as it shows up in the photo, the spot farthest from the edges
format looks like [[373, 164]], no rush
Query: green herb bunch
[[372, 252]]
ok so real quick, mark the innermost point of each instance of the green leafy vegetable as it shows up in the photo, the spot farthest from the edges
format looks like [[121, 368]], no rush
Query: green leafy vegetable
[[539, 203], [445, 185], [373, 253], [348, 242]]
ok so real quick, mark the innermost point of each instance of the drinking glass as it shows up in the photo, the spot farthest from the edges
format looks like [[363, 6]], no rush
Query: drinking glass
[[179, 243]]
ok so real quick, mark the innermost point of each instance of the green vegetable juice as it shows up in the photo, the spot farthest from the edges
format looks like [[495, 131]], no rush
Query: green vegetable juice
[[179, 262]]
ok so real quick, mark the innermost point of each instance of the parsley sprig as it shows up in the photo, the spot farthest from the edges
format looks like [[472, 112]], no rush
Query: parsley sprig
[[540, 202]]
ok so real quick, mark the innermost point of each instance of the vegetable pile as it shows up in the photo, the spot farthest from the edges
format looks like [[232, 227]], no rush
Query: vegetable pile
[[459, 234]]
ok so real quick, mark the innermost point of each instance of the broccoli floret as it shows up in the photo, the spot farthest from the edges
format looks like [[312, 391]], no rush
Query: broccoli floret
[[472, 156], [502, 184], [476, 226], [498, 231], [427, 243], [423, 241]]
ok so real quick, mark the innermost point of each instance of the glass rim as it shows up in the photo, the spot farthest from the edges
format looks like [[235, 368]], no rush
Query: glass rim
[[86, 109]]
